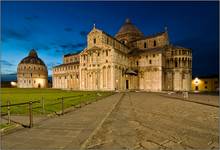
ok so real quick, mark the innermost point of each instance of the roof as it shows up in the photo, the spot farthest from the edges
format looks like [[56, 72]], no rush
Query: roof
[[114, 38], [136, 52], [154, 35], [73, 63], [129, 28], [132, 72], [178, 47], [71, 54], [32, 58]]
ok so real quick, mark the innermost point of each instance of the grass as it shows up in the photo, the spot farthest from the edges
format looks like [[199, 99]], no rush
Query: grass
[[50, 96], [3, 126]]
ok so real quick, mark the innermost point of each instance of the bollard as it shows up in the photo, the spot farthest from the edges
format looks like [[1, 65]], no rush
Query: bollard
[[187, 95], [30, 115], [9, 114], [42, 105], [62, 105]]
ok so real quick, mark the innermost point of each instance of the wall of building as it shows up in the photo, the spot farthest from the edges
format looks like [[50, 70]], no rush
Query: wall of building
[[150, 71], [70, 59], [205, 84], [152, 42], [66, 76], [32, 76]]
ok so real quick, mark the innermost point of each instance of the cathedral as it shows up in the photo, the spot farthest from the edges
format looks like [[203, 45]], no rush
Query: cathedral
[[127, 61]]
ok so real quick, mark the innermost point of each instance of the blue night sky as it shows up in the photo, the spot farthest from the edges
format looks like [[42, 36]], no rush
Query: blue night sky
[[58, 28]]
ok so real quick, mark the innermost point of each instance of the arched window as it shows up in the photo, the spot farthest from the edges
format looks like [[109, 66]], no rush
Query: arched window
[[94, 40], [145, 45], [150, 62], [155, 43], [176, 64]]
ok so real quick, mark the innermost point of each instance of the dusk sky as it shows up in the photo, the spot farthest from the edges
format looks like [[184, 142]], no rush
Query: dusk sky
[[58, 28]]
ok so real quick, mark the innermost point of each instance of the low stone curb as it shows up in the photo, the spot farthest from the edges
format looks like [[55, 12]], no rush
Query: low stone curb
[[189, 100], [10, 129]]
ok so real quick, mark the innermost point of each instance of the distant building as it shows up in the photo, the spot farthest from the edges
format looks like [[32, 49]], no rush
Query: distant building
[[127, 61], [32, 72], [205, 83]]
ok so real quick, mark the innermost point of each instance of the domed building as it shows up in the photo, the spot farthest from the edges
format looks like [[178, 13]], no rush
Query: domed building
[[32, 72], [129, 60], [129, 33]]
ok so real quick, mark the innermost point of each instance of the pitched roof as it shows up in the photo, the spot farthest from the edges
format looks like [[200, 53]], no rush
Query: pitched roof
[[71, 54], [136, 51], [72, 63]]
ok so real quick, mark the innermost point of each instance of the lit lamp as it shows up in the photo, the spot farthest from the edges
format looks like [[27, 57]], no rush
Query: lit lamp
[[13, 84], [196, 81]]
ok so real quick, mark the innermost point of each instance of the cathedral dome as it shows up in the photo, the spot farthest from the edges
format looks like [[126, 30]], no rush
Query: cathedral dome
[[32, 58], [128, 32]]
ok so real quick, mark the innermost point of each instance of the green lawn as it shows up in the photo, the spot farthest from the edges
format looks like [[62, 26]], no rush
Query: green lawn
[[50, 96], [2, 126]]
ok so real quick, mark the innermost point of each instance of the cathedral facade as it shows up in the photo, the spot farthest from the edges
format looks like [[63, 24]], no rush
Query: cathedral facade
[[127, 61]]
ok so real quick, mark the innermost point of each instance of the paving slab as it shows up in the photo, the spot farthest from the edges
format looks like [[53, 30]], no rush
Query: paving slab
[[64, 132], [133, 120]]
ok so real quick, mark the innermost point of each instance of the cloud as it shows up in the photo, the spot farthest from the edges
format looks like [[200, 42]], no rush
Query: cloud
[[51, 65], [31, 18], [6, 63], [42, 46], [69, 48], [68, 29], [72, 46], [22, 34]]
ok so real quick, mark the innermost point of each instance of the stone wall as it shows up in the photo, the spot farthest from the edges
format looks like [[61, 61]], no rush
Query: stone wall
[[32, 76], [66, 76]]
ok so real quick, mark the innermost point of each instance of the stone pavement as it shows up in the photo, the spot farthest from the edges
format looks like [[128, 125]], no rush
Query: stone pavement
[[149, 121], [134, 120], [65, 132], [23, 119]]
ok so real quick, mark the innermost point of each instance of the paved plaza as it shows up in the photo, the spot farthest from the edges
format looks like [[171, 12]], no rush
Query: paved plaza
[[131, 120]]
